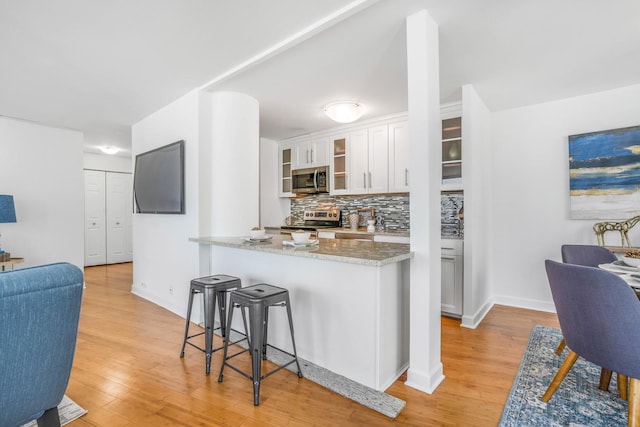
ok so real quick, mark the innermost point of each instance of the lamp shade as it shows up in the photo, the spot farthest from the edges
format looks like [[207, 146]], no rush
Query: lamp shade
[[344, 111], [7, 209]]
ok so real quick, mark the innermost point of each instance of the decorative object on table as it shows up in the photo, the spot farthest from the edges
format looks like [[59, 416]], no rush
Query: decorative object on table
[[5, 256], [379, 222], [365, 215], [353, 220], [632, 258], [257, 233], [578, 401], [7, 213], [622, 227], [604, 176], [371, 225], [300, 236], [288, 221]]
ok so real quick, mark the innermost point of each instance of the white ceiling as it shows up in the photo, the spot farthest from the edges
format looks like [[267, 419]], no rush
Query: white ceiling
[[100, 66]]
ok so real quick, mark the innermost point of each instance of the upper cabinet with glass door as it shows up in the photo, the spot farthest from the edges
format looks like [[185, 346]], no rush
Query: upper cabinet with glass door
[[284, 170], [339, 160], [452, 154]]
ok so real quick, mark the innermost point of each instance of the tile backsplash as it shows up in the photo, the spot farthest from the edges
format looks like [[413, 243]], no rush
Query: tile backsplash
[[393, 208], [450, 206]]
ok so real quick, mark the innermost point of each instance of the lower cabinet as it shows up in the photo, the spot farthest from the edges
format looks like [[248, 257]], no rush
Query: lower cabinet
[[452, 280]]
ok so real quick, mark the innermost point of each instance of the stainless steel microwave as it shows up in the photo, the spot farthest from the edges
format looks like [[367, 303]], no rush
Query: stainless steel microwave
[[310, 180]]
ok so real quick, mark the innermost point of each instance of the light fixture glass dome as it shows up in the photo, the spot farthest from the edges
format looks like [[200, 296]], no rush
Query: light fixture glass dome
[[109, 149], [344, 111]]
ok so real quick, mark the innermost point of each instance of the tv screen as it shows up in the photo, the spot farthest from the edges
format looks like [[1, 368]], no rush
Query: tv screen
[[158, 180]]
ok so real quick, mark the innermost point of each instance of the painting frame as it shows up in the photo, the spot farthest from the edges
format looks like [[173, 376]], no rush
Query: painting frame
[[604, 174]]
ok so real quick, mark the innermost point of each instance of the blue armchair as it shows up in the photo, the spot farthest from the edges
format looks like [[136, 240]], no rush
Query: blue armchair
[[39, 313]]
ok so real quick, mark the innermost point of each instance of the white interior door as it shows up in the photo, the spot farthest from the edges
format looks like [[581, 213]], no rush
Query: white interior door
[[118, 213], [94, 218]]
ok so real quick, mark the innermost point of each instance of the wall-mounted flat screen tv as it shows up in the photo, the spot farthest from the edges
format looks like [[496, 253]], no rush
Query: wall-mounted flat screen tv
[[158, 180]]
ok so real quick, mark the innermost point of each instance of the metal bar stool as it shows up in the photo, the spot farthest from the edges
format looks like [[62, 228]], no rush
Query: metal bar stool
[[258, 299], [212, 288]]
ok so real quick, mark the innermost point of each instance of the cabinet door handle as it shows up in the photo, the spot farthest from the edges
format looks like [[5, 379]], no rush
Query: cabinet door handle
[[93, 223], [406, 177], [312, 156], [364, 176], [307, 155], [370, 179]]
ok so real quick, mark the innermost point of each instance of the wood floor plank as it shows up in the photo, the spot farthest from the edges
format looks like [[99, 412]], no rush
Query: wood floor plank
[[127, 372]]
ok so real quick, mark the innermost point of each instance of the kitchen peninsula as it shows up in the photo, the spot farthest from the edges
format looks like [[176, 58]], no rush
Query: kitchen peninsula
[[349, 298]]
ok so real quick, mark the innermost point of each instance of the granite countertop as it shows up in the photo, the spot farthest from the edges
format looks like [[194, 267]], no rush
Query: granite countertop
[[347, 251]]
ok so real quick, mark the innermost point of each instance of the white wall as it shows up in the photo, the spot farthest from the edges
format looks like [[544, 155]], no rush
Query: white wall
[[164, 261], [529, 197], [105, 162], [476, 156], [41, 167], [273, 209], [234, 164]]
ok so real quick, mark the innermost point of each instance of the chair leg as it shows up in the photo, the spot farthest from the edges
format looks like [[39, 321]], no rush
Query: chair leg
[[564, 369], [622, 386], [605, 379], [186, 328], [561, 347], [634, 402], [209, 310], [50, 418]]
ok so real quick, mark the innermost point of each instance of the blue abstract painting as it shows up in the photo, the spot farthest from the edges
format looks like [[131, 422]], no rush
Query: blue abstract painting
[[604, 174]]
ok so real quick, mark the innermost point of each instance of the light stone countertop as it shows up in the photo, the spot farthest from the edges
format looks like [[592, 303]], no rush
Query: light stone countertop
[[347, 251]]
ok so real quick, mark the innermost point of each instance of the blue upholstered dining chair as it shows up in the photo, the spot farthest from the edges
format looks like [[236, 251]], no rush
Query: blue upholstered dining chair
[[39, 313], [590, 256], [599, 315]]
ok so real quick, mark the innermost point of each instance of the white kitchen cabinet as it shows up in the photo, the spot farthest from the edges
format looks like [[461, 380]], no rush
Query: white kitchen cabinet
[[326, 234], [399, 157], [108, 218], [391, 239], [311, 153], [340, 154], [452, 154], [451, 277], [369, 162], [285, 165]]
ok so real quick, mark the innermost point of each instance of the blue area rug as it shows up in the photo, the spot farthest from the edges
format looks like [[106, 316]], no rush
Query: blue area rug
[[578, 401]]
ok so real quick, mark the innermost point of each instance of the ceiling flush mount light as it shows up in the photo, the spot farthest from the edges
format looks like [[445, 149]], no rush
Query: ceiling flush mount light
[[109, 149], [344, 111]]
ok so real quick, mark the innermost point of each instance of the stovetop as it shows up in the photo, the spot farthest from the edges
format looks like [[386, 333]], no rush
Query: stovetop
[[314, 220]]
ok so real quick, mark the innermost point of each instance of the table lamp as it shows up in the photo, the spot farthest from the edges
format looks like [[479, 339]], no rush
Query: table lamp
[[7, 212]]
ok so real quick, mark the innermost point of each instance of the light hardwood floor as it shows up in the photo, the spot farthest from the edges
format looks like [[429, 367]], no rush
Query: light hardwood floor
[[127, 372]]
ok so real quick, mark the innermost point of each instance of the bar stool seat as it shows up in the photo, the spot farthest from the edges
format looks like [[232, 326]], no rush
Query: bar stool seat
[[258, 299], [212, 288]]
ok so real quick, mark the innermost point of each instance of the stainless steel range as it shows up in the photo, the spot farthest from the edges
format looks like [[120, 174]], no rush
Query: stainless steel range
[[315, 220]]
